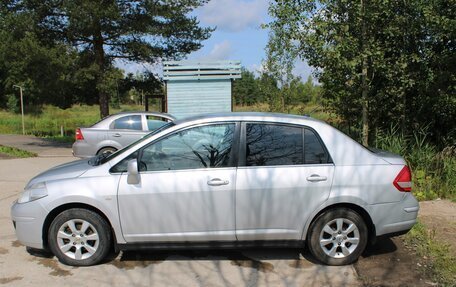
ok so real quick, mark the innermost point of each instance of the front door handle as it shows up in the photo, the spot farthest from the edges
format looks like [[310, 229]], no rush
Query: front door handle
[[116, 135], [316, 178], [217, 182]]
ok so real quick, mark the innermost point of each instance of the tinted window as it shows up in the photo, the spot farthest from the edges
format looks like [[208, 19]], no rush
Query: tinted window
[[199, 147], [269, 144], [127, 123], [154, 122], [314, 151]]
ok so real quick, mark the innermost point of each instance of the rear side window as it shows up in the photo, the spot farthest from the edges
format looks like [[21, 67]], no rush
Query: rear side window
[[269, 144], [127, 123], [154, 122], [314, 152]]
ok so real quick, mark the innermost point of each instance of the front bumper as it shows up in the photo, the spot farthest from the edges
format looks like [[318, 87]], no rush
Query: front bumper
[[28, 219], [396, 217]]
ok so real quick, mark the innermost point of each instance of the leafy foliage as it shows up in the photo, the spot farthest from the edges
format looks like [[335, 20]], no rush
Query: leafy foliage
[[70, 46], [405, 49]]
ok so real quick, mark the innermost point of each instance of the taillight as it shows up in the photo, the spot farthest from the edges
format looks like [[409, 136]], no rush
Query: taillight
[[78, 135], [403, 181]]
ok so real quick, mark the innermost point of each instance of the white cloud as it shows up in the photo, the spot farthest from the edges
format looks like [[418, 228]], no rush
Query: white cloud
[[234, 15], [220, 51]]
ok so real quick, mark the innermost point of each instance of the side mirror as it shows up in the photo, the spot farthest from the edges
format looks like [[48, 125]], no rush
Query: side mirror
[[133, 172]]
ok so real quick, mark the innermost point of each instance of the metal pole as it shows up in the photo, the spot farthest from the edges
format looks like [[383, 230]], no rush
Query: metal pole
[[22, 107], [22, 111]]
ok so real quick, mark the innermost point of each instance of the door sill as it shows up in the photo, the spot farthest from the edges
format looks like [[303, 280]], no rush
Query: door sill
[[210, 245]]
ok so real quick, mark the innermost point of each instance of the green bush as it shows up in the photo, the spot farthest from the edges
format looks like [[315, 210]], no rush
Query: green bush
[[12, 104], [434, 172]]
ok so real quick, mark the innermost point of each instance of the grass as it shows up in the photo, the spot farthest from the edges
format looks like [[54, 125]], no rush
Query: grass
[[440, 262], [314, 110], [52, 119], [15, 152]]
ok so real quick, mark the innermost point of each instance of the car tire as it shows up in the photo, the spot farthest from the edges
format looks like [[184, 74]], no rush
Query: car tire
[[337, 237], [107, 150], [79, 237]]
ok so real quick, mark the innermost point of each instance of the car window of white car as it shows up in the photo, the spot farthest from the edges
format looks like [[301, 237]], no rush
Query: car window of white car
[[154, 122], [199, 147], [127, 123], [270, 144], [314, 151]]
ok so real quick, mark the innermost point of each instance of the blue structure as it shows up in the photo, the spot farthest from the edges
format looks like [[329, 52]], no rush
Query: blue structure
[[194, 88]]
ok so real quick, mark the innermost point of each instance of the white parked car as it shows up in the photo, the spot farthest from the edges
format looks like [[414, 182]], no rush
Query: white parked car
[[116, 131], [236, 179]]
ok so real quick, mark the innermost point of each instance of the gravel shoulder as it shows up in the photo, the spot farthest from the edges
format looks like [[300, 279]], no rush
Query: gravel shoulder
[[439, 217], [390, 262]]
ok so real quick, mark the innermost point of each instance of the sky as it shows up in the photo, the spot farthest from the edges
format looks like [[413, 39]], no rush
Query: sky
[[238, 35]]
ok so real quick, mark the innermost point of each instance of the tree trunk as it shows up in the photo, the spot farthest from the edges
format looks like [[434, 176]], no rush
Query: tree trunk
[[364, 85], [365, 103], [103, 97]]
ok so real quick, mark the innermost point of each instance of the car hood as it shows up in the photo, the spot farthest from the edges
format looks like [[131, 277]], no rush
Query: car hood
[[66, 170]]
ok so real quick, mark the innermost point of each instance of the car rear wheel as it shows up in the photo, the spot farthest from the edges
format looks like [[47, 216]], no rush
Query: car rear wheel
[[338, 237], [79, 237], [106, 150]]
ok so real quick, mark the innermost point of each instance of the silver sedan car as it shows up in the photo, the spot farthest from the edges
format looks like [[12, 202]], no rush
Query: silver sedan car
[[116, 131], [222, 180]]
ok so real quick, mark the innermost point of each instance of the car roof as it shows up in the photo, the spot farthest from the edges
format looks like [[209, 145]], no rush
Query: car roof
[[143, 113], [248, 116]]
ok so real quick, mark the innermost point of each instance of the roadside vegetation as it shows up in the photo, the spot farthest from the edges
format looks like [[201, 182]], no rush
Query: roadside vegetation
[[15, 152], [50, 120], [436, 259]]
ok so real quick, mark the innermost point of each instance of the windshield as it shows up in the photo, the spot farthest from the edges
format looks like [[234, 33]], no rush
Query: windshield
[[102, 158]]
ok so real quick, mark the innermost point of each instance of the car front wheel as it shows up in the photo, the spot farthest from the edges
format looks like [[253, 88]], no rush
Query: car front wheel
[[338, 237], [79, 237]]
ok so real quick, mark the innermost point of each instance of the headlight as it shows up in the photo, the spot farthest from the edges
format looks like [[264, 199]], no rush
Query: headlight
[[34, 192]]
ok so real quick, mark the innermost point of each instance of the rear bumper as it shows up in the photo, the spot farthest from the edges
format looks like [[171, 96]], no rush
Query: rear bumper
[[82, 149], [395, 218]]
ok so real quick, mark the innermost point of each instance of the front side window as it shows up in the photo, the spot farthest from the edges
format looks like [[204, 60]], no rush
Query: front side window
[[199, 147], [269, 144], [127, 123]]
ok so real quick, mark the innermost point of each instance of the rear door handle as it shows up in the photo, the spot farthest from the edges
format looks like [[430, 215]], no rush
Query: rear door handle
[[217, 182], [316, 178], [117, 135]]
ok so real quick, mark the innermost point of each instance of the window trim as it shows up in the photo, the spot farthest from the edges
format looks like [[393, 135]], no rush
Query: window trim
[[243, 145], [233, 154]]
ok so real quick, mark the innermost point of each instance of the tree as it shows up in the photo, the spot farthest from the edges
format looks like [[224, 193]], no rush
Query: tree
[[118, 29], [379, 62], [280, 58], [45, 70], [245, 89]]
